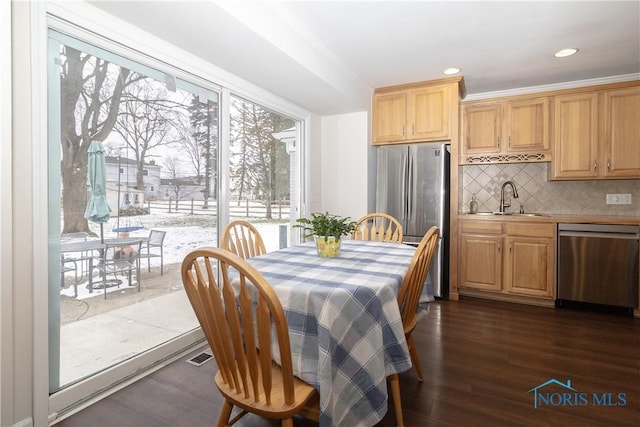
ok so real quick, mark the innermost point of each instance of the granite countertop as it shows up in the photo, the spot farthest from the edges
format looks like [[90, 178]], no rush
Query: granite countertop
[[556, 218]]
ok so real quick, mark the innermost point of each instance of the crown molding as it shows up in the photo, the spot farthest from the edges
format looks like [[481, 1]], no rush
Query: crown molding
[[553, 87]]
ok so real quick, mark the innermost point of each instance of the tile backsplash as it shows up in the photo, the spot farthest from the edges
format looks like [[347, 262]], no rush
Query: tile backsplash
[[540, 195]]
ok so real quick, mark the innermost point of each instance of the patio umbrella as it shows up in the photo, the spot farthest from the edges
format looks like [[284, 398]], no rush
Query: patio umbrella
[[98, 209]]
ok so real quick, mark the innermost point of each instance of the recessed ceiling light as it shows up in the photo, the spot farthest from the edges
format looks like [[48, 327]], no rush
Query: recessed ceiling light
[[451, 70], [565, 52]]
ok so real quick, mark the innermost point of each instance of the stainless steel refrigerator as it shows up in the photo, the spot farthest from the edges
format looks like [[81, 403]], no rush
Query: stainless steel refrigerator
[[413, 186]]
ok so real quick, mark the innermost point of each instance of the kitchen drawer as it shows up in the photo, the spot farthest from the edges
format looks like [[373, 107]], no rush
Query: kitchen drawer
[[532, 229], [481, 227]]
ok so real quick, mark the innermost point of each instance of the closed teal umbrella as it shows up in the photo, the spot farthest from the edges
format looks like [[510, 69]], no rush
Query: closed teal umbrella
[[98, 209]]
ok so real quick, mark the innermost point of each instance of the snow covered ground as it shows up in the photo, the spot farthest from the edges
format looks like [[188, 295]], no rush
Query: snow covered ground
[[185, 233]]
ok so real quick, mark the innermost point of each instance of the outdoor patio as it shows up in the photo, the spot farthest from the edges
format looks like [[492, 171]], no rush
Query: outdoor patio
[[98, 332]]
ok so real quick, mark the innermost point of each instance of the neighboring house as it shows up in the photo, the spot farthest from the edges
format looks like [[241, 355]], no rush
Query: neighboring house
[[181, 188], [155, 187], [124, 182]]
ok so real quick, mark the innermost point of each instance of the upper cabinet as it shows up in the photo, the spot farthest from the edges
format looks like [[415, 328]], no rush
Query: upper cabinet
[[596, 134], [505, 131], [575, 136], [415, 112], [621, 111]]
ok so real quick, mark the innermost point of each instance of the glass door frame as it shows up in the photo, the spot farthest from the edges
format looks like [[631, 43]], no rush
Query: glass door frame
[[67, 398], [45, 407]]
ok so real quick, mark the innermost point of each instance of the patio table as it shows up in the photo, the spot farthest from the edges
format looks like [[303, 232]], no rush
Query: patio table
[[96, 245]]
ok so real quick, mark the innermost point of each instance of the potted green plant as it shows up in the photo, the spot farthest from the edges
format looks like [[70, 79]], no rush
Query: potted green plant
[[327, 230]]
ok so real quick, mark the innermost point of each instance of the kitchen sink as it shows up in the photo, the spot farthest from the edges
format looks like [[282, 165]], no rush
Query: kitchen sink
[[507, 214]]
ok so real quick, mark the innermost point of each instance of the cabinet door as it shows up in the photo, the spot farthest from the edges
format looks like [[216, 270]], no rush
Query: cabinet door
[[389, 117], [428, 113], [526, 125], [575, 136], [622, 132], [480, 261], [481, 128], [529, 266]]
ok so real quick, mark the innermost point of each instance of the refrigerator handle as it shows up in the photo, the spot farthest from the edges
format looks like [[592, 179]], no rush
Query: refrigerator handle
[[404, 189], [410, 189]]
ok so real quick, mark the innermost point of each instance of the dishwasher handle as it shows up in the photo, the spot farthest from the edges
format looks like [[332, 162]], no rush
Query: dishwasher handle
[[595, 234]]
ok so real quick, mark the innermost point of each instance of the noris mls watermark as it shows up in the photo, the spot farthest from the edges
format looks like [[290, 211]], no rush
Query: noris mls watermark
[[554, 393]]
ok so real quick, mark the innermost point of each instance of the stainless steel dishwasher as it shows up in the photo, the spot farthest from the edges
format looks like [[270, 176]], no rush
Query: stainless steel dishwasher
[[598, 263]]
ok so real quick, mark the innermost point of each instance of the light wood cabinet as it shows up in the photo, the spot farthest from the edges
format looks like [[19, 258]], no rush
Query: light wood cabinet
[[507, 258], [596, 134], [415, 112], [529, 259], [389, 117], [481, 255], [515, 130], [621, 111], [482, 125], [575, 135]]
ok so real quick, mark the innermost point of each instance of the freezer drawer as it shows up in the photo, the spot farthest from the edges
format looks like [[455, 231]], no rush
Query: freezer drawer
[[598, 264]]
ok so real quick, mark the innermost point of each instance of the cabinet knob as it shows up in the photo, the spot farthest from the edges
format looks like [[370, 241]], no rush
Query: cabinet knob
[[609, 165], [595, 165]]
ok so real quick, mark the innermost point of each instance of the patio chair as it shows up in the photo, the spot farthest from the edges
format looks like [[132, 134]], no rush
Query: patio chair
[[243, 239], [239, 331], [155, 241], [118, 258], [379, 227], [81, 257], [67, 265]]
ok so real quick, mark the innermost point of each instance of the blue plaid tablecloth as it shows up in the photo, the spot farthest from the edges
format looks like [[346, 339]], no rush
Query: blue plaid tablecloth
[[344, 323]]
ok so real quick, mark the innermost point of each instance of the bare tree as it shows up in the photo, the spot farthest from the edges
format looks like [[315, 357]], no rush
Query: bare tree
[[174, 171], [91, 90], [204, 129], [144, 121], [189, 146], [256, 151]]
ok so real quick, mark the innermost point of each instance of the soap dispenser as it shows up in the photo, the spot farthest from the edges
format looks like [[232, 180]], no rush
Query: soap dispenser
[[473, 205]]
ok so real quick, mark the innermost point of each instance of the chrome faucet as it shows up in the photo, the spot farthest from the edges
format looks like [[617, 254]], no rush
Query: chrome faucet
[[514, 193]]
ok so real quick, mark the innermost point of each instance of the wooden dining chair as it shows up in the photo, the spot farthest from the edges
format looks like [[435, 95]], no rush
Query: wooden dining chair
[[411, 289], [408, 299], [238, 322], [380, 227], [243, 239]]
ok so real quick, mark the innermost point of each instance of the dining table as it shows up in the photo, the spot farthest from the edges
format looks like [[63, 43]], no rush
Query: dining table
[[344, 323]]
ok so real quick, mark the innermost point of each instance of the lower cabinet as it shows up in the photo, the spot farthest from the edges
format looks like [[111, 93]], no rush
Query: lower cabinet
[[508, 258]]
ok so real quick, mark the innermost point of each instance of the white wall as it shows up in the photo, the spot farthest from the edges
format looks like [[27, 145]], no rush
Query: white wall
[[17, 279], [6, 349], [344, 164]]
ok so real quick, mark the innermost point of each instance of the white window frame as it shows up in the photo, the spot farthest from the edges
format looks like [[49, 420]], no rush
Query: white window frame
[[87, 23]]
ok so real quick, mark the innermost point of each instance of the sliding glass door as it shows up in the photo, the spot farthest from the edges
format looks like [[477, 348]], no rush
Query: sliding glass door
[[263, 165], [146, 139], [158, 139]]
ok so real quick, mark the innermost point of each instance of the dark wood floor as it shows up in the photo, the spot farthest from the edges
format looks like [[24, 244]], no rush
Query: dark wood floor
[[480, 358]]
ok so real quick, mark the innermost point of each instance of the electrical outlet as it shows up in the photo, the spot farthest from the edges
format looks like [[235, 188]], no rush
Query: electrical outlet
[[619, 199]]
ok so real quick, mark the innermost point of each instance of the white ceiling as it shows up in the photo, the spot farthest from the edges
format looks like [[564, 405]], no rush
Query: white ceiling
[[327, 56]]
